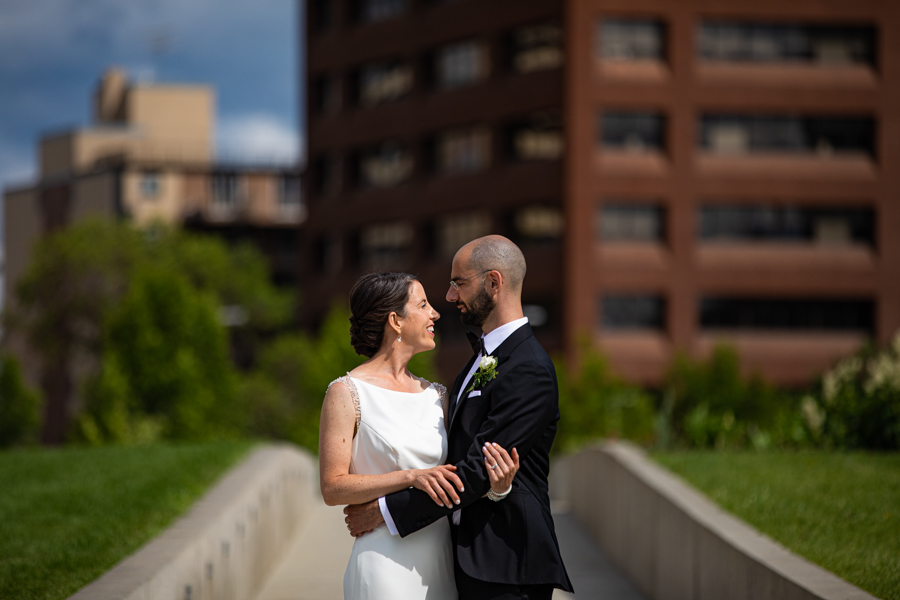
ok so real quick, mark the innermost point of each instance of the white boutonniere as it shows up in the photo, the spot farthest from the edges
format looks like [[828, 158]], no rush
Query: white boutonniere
[[487, 370]]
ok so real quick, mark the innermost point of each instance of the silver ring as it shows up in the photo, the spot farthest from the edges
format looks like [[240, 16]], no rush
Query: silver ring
[[493, 466]]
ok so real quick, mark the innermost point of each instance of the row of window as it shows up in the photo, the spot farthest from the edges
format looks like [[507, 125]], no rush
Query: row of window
[[465, 62], [622, 38], [227, 188], [742, 134], [386, 246], [636, 222], [459, 150], [540, 137], [648, 312], [741, 41]]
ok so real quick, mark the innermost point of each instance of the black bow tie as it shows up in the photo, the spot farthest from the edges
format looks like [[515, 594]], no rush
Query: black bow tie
[[477, 343]]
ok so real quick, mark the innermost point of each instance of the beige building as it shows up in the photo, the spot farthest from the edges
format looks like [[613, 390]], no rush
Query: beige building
[[147, 158]]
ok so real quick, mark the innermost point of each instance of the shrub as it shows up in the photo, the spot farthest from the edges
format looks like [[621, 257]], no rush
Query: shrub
[[593, 403], [19, 406], [858, 404], [710, 404]]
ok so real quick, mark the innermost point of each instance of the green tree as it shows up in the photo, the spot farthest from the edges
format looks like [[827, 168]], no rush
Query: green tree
[[19, 406], [594, 403]]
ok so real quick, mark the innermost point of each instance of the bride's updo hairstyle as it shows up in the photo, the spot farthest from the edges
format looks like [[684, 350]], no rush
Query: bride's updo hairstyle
[[373, 298]]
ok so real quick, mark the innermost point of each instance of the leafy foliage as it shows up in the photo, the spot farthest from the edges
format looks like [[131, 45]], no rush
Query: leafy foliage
[[594, 403], [857, 404], [710, 404], [19, 406]]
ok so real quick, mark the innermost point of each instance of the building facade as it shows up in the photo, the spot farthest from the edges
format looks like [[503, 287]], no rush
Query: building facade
[[678, 173]]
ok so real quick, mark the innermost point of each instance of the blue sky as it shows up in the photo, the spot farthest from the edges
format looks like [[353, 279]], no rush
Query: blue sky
[[52, 53]]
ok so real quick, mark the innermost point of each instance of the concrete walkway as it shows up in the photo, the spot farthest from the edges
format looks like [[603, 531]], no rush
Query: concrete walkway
[[313, 565]]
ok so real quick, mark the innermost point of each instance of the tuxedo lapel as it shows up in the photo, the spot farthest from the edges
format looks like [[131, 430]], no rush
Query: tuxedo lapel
[[454, 393]]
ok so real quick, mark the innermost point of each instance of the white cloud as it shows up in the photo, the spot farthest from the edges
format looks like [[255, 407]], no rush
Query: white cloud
[[258, 139]]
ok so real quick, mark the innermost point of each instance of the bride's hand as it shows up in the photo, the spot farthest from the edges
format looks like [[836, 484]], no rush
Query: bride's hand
[[438, 482], [501, 467]]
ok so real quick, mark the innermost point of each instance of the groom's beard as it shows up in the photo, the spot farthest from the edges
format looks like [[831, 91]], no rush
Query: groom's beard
[[478, 310]]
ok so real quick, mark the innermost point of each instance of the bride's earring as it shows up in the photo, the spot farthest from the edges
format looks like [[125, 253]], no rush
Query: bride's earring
[[398, 337]]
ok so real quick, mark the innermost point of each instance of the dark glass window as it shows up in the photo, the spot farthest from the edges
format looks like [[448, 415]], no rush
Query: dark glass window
[[463, 150], [736, 134], [538, 137], [461, 64], [633, 312], [370, 11], [538, 223], [632, 131], [631, 39], [813, 314], [788, 223], [384, 82], [386, 165], [225, 189], [537, 47], [631, 223], [386, 246], [765, 42]]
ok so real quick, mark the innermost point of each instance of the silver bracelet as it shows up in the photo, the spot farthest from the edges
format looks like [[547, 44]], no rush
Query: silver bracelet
[[494, 496]]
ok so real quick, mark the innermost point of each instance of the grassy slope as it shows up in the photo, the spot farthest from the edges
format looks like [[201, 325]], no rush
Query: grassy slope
[[68, 515], [841, 511]]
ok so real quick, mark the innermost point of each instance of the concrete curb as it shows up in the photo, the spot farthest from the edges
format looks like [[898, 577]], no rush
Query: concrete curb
[[227, 545], [675, 544]]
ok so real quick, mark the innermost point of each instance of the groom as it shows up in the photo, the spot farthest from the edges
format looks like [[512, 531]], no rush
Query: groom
[[505, 548]]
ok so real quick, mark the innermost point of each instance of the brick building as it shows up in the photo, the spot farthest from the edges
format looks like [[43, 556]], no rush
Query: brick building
[[678, 173]]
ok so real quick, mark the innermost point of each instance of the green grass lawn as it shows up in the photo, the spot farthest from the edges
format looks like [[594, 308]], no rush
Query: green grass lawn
[[839, 510], [68, 515]]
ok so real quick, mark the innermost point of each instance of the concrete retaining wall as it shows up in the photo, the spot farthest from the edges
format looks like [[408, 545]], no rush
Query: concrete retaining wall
[[226, 546], [673, 543]]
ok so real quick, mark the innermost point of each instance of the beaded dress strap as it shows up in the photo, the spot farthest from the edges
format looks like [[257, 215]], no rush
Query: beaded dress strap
[[354, 395]]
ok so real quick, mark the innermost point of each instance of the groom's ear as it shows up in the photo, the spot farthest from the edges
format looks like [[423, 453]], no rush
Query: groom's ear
[[495, 280]]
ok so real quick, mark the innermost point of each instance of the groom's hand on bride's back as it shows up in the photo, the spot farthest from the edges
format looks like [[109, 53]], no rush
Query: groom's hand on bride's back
[[441, 483], [362, 518]]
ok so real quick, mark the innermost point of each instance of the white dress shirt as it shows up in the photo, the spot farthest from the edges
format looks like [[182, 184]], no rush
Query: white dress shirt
[[492, 341]]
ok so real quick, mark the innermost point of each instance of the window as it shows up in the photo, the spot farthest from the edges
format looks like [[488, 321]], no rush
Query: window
[[787, 223], [327, 94], [630, 39], [457, 230], [150, 184], [539, 223], [632, 311], [632, 131], [762, 42], [537, 47], [383, 82], [631, 223], [384, 166], [386, 246], [811, 314], [370, 11], [540, 137], [464, 150], [462, 64], [737, 134], [225, 190]]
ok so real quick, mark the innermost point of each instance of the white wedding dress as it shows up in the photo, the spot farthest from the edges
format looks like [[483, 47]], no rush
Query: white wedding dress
[[399, 431]]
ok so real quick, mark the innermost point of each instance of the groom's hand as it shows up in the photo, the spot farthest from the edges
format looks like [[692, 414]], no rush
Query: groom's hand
[[362, 518]]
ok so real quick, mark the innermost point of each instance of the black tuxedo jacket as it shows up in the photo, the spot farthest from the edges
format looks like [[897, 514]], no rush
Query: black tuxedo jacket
[[512, 541]]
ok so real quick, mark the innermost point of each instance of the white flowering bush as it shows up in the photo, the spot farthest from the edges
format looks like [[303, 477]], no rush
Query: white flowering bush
[[858, 405]]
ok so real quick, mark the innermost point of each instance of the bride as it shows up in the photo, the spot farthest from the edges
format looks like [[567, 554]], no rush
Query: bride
[[383, 430]]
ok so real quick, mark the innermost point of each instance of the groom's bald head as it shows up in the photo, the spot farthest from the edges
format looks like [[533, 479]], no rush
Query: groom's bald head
[[495, 252]]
